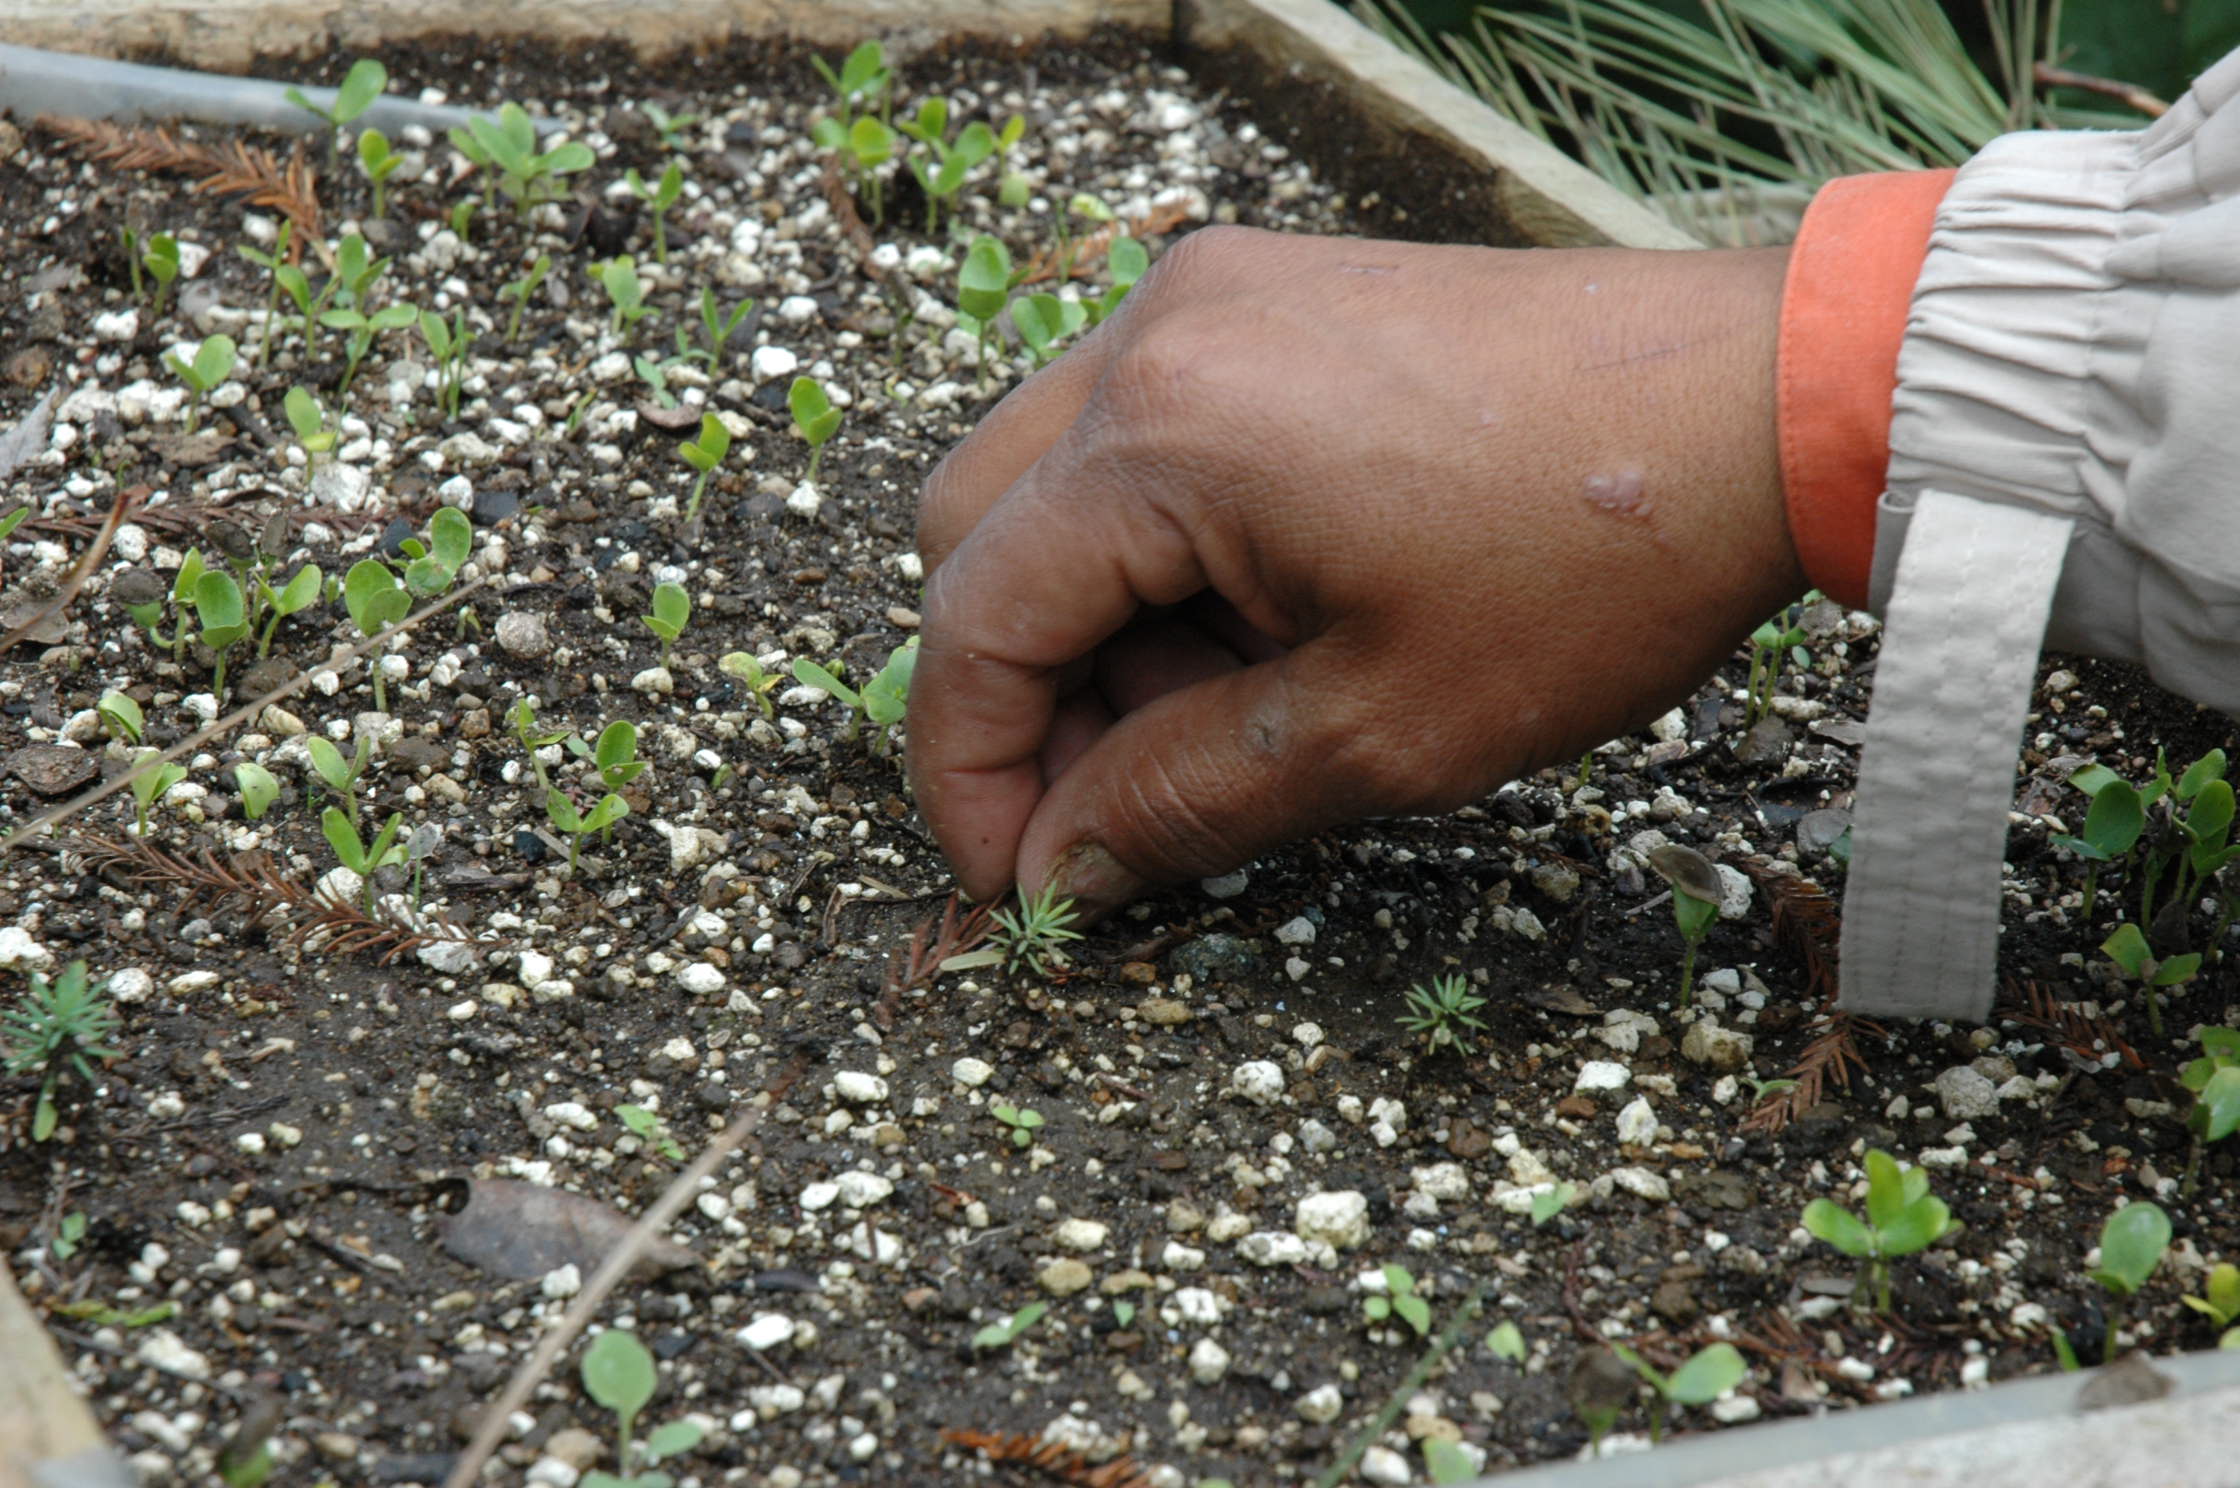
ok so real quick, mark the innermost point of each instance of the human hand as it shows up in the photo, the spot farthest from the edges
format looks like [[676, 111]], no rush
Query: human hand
[[1319, 529]]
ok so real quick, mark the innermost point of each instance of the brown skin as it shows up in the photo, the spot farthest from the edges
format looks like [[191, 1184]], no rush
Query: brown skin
[[1320, 529]]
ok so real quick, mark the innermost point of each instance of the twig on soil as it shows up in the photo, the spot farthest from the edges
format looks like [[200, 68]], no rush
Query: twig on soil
[[916, 968], [1410, 1382], [239, 715], [492, 1427], [227, 169], [1062, 1462], [266, 892], [2131, 95], [91, 560]]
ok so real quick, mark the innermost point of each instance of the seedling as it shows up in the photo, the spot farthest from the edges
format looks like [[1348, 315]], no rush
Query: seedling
[[431, 567], [340, 775], [704, 455], [1006, 1333], [863, 146], [669, 126], [672, 608], [651, 1130], [162, 263], [293, 597], [655, 375], [258, 788], [224, 619], [508, 146], [375, 601], [293, 282], [1399, 1300], [362, 328], [2129, 950], [149, 782], [2112, 824], [885, 699], [1036, 932], [1707, 1374], [1902, 1217], [618, 1372], [361, 85], [2132, 1244], [1044, 320], [523, 718], [211, 366], [120, 717], [1442, 1013], [379, 162], [1082, 204], [1696, 892], [747, 668], [2214, 1079], [358, 855], [614, 756], [562, 813], [1024, 1122], [1123, 1313], [814, 418], [1779, 638], [1552, 1201], [519, 290], [659, 198], [984, 283], [943, 177], [69, 1234], [448, 342], [59, 1026], [717, 328], [1506, 1341], [183, 584], [462, 216], [309, 421], [12, 521], [1127, 261], [271, 263], [618, 276], [863, 79]]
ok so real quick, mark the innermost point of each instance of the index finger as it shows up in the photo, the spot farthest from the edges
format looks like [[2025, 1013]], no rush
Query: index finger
[[1055, 566]]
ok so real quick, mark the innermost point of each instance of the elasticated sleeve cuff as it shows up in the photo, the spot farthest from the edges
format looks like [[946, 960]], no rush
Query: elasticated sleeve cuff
[[1843, 315]]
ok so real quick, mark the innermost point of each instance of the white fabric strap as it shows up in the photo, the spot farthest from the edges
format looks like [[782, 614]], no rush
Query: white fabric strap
[[1959, 652]]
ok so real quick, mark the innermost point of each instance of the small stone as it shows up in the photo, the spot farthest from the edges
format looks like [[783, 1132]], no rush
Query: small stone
[[972, 1073], [1298, 931], [53, 769], [1637, 1123], [522, 633], [1064, 1276], [1723, 1049], [1209, 1361], [1601, 1074], [1339, 1218], [767, 1331], [1274, 1248], [1965, 1093], [770, 362], [1320, 1405], [1556, 880], [1163, 1012], [1259, 1081], [860, 1089], [1082, 1235], [1227, 886], [860, 1190], [1380, 1464], [1642, 1183]]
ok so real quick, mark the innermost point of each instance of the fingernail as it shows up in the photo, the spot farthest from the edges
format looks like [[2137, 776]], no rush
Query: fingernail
[[1093, 879]]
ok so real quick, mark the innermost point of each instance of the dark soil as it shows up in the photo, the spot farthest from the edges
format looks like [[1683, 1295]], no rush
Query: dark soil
[[274, 1150]]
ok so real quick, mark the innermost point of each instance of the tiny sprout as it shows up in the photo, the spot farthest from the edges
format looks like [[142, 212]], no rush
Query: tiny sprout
[[298, 594], [2128, 948], [363, 328], [1696, 891], [1705, 1375], [2220, 1302], [1769, 643], [162, 262], [523, 718], [747, 667], [1443, 1012], [508, 146], [704, 455], [309, 421], [148, 783], [1902, 1217], [379, 162], [58, 1026], [1552, 1201], [258, 788], [618, 1371], [375, 601], [519, 290], [984, 283], [356, 854], [1036, 932], [1123, 1313], [814, 418], [1506, 1341], [1043, 320], [432, 566], [614, 755], [1006, 1333], [219, 607], [863, 77], [211, 366], [121, 717], [672, 607], [669, 126], [365, 82], [2132, 1244], [618, 276], [659, 198], [716, 327], [448, 342], [340, 775], [2214, 1079], [12, 521], [1024, 1121], [562, 813], [1399, 1300], [651, 1130]]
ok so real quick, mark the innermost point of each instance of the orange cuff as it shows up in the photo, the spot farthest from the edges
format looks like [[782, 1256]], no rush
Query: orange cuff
[[1843, 315]]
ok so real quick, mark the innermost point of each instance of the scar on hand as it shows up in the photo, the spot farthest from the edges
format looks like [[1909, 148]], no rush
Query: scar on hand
[[1621, 495]]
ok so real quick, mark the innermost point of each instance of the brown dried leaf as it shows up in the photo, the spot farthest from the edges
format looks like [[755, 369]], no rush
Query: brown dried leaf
[[521, 1231]]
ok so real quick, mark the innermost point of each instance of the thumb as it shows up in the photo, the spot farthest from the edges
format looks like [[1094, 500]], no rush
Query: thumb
[[1203, 779]]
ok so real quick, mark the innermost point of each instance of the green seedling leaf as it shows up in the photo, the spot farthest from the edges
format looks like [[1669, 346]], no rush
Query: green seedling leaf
[[713, 444], [609, 810], [1127, 260], [2220, 1299], [366, 81], [2132, 1244], [121, 716], [1838, 1226], [670, 1438], [2117, 817], [672, 610], [218, 606], [1886, 1189], [615, 755], [258, 788], [1506, 1341], [984, 279], [809, 674], [2175, 969], [372, 595], [1708, 1373], [1916, 1227], [298, 593], [2127, 947], [886, 697], [618, 1372], [1415, 1312], [13, 520], [871, 142], [1003, 1334], [1552, 1201], [1446, 1462], [2216, 1109], [814, 417], [2199, 774]]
